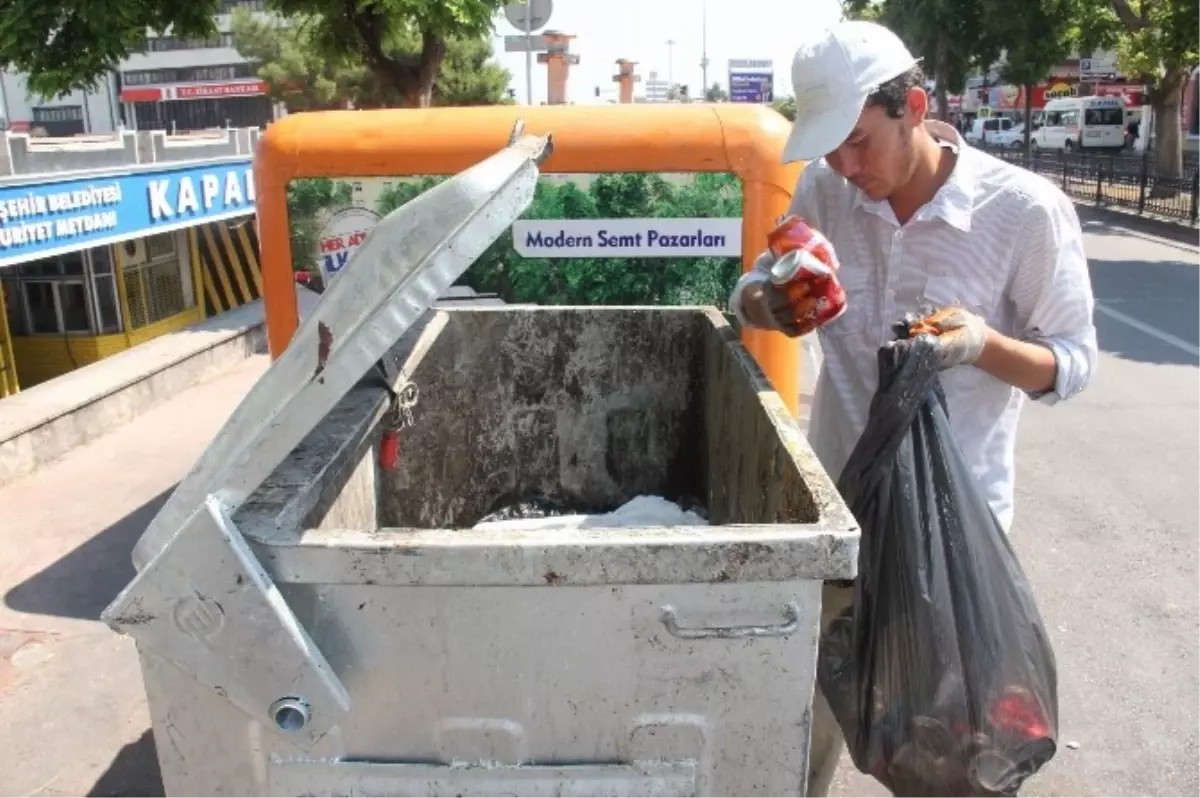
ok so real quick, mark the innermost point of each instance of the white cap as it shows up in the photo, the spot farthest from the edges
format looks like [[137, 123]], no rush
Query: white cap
[[833, 74]]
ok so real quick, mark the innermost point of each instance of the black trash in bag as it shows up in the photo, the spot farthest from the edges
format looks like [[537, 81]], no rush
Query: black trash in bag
[[941, 676]]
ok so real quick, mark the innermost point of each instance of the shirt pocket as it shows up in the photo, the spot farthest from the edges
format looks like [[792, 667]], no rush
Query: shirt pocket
[[856, 318], [980, 294]]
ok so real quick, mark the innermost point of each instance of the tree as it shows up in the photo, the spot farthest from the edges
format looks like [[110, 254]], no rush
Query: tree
[[786, 106], [716, 94], [70, 44], [949, 35], [298, 74], [1034, 36], [1156, 42], [306, 199], [402, 42]]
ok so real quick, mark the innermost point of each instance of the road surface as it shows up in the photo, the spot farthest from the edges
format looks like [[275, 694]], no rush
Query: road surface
[[1106, 526]]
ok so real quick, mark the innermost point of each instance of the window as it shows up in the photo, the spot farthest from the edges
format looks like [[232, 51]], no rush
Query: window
[[1104, 116], [1070, 119], [75, 293], [40, 308], [145, 77], [104, 288], [73, 306], [162, 44], [1052, 119], [155, 289], [160, 246], [60, 113]]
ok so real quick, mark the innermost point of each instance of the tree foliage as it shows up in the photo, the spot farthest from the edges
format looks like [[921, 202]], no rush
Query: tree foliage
[[306, 199], [786, 106], [299, 74], [1157, 42], [402, 42], [587, 281], [949, 36], [70, 44], [715, 94]]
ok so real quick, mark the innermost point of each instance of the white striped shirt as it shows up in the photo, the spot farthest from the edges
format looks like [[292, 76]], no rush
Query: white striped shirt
[[997, 239]]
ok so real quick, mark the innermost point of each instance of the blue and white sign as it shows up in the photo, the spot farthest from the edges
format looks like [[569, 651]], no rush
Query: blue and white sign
[[751, 87], [40, 220], [628, 238]]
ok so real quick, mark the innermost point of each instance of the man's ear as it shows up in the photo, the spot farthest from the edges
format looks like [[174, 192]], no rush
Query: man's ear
[[917, 105]]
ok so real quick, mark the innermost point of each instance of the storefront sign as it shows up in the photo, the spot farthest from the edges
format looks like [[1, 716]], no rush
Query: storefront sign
[[627, 238], [341, 237], [193, 91], [40, 220]]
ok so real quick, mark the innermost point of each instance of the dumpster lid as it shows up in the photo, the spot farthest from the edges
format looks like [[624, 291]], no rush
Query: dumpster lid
[[201, 599]]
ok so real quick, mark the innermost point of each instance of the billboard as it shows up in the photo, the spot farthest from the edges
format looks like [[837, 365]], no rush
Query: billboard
[[751, 80]]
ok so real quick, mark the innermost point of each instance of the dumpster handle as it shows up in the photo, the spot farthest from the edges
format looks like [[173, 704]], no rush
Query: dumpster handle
[[791, 615]]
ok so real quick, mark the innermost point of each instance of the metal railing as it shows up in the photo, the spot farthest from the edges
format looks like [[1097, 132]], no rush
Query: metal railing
[[1119, 179]]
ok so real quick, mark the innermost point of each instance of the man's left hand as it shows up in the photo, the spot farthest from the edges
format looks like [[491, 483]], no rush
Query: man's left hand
[[961, 336]]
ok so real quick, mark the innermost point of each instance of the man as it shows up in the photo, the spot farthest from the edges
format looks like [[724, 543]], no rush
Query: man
[[919, 219]]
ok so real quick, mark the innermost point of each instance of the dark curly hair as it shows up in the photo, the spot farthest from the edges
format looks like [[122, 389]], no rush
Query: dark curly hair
[[893, 95]]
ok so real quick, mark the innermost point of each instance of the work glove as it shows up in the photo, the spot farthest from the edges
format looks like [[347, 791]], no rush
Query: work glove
[[960, 335]]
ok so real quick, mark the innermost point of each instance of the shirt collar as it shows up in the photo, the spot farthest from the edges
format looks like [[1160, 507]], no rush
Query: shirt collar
[[954, 201]]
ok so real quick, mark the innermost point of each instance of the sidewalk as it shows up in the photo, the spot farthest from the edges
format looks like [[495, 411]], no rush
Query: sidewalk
[[71, 701]]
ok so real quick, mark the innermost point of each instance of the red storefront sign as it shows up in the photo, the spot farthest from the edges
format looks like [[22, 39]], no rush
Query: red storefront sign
[[195, 91], [1133, 95], [241, 89]]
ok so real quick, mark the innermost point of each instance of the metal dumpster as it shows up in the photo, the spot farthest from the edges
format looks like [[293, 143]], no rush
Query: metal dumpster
[[327, 626]]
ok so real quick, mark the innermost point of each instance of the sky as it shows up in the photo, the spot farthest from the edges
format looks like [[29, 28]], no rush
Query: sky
[[639, 30]]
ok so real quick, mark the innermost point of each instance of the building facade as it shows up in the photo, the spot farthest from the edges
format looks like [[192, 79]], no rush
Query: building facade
[[175, 85], [105, 244]]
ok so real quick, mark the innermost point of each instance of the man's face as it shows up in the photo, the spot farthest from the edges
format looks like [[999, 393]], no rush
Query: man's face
[[878, 156]]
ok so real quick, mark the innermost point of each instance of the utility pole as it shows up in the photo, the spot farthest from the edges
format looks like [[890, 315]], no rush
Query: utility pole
[[528, 52], [704, 46], [670, 65]]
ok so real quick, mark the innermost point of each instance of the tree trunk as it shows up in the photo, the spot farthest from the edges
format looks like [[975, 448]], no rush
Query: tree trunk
[[941, 77], [1167, 103]]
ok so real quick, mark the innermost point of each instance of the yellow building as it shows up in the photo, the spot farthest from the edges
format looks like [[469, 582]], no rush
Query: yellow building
[[92, 265]]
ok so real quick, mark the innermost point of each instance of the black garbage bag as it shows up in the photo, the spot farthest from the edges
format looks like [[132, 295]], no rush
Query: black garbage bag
[[941, 675]]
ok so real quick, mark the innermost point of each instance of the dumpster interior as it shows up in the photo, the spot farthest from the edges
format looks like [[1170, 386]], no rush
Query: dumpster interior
[[559, 410]]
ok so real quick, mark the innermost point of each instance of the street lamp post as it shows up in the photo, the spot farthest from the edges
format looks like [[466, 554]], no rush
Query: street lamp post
[[670, 65]]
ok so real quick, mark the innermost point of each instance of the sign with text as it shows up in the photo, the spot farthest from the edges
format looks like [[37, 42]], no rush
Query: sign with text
[[628, 238], [341, 237], [44, 219], [751, 87]]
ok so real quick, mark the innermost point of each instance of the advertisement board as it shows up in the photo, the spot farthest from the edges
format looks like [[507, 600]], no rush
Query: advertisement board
[[628, 238], [340, 238], [751, 80]]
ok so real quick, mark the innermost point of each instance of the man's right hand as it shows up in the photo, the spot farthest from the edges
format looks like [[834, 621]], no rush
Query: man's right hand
[[766, 306]]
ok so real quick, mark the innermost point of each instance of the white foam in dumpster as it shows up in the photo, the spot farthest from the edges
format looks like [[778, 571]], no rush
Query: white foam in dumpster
[[643, 511]]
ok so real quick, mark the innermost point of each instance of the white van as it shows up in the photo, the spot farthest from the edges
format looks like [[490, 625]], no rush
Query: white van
[[1077, 123]]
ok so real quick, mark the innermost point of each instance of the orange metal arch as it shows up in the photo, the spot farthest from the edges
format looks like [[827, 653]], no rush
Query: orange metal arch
[[746, 140]]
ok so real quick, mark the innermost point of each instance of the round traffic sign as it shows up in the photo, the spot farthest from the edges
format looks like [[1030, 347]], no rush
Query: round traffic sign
[[529, 15]]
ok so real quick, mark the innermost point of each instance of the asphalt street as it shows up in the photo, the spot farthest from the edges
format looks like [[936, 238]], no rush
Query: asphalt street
[[1107, 521], [1107, 530]]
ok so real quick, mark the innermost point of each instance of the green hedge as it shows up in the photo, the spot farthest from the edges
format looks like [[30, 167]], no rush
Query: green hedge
[[578, 281]]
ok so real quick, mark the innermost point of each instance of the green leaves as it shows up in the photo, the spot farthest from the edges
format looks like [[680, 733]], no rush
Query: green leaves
[[295, 63], [70, 44], [569, 281]]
